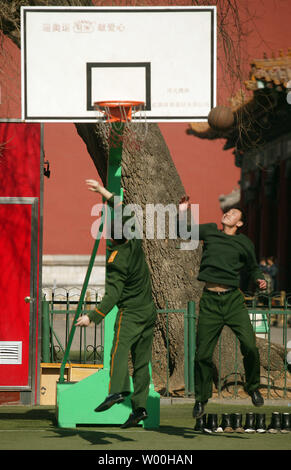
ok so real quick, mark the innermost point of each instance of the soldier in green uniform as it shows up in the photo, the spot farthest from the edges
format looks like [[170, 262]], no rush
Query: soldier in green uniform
[[128, 285], [225, 253]]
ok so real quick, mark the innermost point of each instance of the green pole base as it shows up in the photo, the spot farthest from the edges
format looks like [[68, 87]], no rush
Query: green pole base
[[76, 402]]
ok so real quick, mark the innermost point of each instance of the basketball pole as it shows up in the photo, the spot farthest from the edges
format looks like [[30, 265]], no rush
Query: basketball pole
[[113, 186]]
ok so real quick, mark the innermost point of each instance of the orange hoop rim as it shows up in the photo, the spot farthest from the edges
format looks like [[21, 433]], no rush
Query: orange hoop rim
[[116, 123], [118, 111], [115, 104]]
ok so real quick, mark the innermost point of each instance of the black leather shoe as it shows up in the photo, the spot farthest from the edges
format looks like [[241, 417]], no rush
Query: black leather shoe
[[110, 401], [226, 422], [212, 423], [257, 398], [135, 417], [275, 425], [250, 424], [236, 419], [198, 409], [200, 423], [286, 422], [261, 423]]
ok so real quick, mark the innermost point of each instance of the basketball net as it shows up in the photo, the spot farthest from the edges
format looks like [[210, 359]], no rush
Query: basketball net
[[122, 123]]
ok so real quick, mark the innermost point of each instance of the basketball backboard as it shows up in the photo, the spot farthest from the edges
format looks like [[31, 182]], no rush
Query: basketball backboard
[[75, 56]]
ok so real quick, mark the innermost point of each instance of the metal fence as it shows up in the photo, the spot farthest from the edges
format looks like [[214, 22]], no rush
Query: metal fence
[[270, 316], [58, 313]]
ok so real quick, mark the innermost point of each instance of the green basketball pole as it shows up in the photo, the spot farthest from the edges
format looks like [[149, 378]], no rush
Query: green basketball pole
[[76, 401]]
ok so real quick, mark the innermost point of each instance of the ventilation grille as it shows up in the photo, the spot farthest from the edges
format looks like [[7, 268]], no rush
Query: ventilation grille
[[10, 352]]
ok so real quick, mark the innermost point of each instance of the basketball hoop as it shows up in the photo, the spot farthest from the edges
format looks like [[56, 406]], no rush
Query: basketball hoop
[[123, 122]]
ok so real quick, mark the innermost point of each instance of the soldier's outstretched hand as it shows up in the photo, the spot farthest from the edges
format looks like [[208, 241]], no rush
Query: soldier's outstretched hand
[[93, 185]]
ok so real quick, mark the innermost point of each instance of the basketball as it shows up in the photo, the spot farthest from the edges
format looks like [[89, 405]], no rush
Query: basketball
[[220, 118]]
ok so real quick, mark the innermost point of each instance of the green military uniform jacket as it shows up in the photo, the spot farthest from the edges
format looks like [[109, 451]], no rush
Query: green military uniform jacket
[[224, 256], [128, 282]]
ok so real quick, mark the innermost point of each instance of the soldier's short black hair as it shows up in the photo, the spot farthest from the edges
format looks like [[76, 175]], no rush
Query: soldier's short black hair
[[243, 215]]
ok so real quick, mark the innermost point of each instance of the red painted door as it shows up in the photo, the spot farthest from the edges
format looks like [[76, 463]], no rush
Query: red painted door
[[17, 259], [20, 259]]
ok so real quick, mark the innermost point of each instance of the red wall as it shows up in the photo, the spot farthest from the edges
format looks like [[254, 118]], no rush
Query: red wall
[[10, 79], [67, 201], [205, 169]]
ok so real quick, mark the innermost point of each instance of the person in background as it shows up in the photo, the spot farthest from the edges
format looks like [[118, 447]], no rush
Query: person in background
[[266, 271], [272, 271]]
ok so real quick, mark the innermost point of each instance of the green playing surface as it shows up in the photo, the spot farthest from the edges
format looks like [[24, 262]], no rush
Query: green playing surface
[[34, 428]]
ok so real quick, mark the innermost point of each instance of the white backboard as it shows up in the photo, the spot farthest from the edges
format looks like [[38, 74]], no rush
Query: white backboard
[[74, 56]]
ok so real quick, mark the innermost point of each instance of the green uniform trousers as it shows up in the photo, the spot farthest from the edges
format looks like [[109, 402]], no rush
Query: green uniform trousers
[[215, 312], [133, 331]]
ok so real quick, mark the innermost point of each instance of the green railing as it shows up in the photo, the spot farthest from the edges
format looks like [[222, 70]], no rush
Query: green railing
[[270, 315], [189, 325], [59, 312]]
